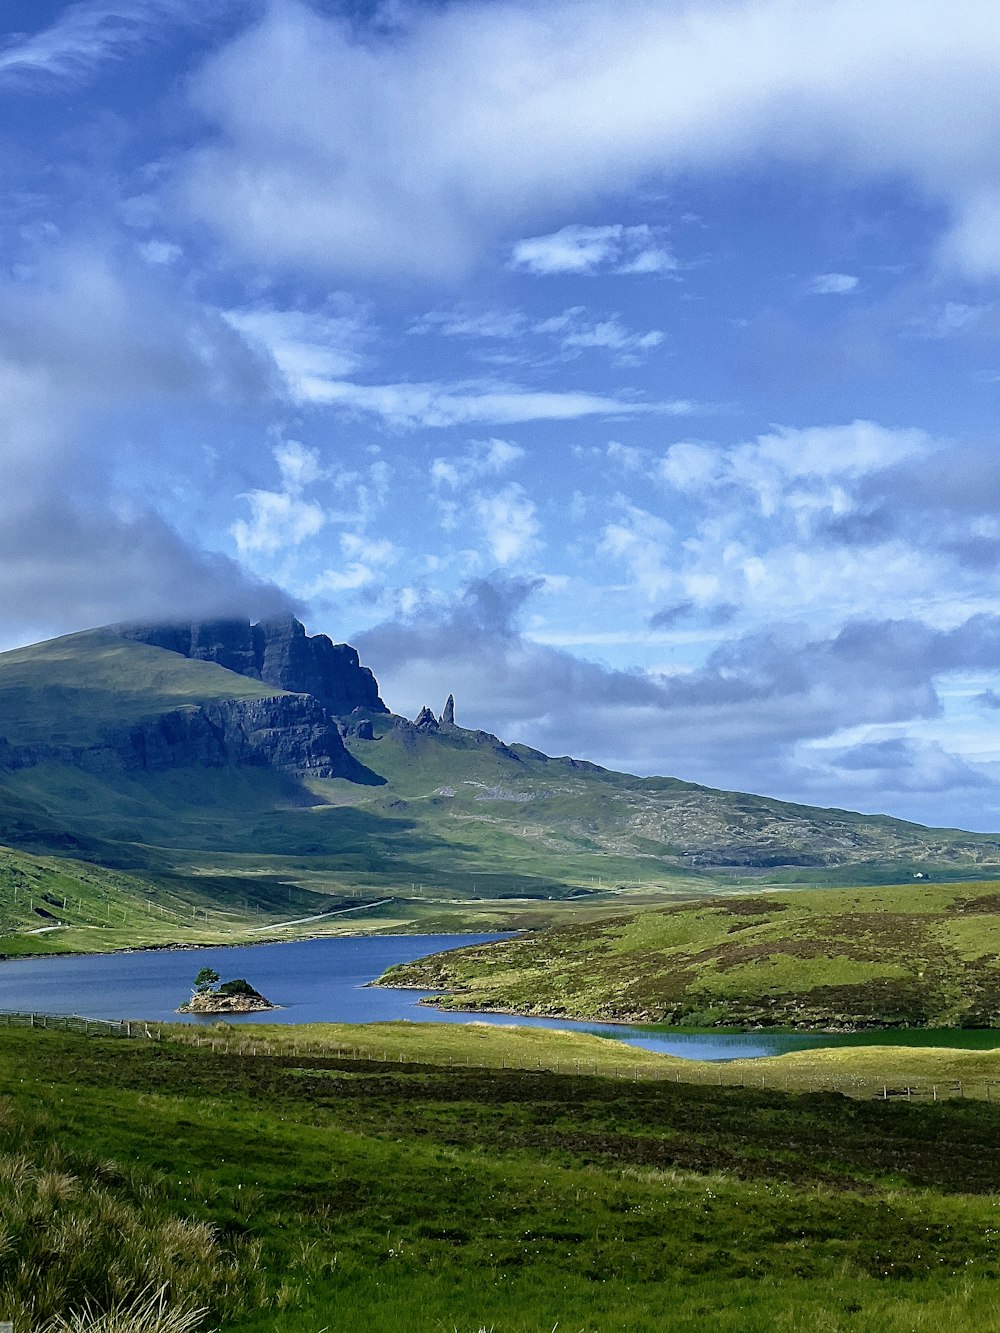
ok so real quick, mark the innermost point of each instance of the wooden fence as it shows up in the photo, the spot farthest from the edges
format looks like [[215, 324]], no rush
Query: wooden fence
[[91, 1027]]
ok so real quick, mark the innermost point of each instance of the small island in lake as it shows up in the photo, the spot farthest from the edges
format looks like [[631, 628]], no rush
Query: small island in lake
[[231, 997]]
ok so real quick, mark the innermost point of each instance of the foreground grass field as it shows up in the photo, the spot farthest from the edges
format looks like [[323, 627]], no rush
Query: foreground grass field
[[296, 1190], [913, 955]]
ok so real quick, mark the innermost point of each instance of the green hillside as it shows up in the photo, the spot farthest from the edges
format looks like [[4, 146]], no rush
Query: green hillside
[[71, 690], [56, 904], [465, 832], [924, 956]]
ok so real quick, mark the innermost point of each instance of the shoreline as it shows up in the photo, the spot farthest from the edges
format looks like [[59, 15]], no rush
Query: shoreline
[[676, 1029], [244, 944]]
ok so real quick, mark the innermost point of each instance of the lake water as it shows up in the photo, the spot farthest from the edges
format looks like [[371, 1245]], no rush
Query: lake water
[[324, 981]]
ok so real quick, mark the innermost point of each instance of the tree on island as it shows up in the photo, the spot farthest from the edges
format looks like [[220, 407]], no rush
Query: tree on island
[[204, 981], [236, 996]]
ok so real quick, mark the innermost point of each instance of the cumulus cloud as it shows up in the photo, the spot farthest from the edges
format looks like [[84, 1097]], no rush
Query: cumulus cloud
[[832, 284], [281, 520], [482, 458], [819, 522], [421, 146], [644, 543], [585, 251], [366, 561], [509, 522], [766, 465], [505, 517]]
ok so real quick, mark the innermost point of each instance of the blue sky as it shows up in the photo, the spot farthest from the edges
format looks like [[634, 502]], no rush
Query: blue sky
[[628, 369]]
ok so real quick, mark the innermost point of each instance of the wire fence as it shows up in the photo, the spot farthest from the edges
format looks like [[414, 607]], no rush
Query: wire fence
[[314, 1056], [90, 1027]]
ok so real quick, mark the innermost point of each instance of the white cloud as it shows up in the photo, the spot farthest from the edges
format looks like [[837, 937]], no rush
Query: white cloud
[[830, 451], [466, 323], [573, 330], [642, 542], [627, 456], [277, 521], [91, 32], [367, 559], [949, 319], [832, 284], [690, 466], [282, 520], [973, 244], [299, 466], [588, 250], [509, 523], [308, 346], [476, 403], [812, 524], [772, 464], [576, 333], [160, 252], [339, 149], [483, 458], [378, 551]]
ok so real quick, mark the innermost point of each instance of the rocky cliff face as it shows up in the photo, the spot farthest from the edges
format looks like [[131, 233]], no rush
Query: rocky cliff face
[[290, 733], [277, 652]]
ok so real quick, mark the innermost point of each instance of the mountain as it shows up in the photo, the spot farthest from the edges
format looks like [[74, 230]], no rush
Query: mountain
[[246, 764]]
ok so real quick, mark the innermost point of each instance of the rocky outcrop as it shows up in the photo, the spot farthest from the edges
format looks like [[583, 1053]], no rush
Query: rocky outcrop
[[448, 716], [360, 726], [289, 732], [278, 652], [248, 1001], [425, 720]]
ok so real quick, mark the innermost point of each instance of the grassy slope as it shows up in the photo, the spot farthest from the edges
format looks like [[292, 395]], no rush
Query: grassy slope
[[382, 1197], [912, 955], [54, 904], [570, 814], [67, 691]]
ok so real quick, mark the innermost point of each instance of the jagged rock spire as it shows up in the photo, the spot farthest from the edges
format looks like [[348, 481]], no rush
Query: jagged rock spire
[[448, 716], [426, 721]]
